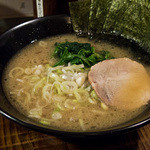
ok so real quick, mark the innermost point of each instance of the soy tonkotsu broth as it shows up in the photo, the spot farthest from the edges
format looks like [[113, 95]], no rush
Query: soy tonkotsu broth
[[24, 89]]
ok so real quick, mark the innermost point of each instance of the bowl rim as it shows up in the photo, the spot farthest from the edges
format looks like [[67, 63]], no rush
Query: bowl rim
[[57, 132]]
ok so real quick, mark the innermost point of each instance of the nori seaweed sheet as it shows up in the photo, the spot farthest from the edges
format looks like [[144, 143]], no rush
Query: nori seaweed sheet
[[131, 19], [128, 18], [98, 12], [79, 11]]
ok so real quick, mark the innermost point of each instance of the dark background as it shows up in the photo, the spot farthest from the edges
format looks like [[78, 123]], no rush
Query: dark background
[[51, 7]]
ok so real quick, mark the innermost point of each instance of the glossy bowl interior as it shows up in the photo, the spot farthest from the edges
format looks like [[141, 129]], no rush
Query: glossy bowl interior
[[22, 35]]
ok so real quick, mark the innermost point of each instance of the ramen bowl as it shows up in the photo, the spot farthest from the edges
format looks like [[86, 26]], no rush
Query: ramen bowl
[[22, 35]]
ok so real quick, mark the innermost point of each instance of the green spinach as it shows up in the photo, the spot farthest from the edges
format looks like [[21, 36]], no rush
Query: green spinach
[[78, 53]]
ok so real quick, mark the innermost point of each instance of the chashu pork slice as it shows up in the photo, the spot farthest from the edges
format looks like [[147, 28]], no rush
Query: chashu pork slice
[[122, 83]]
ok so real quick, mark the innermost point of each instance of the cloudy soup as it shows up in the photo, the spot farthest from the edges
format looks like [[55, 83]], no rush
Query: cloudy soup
[[61, 97]]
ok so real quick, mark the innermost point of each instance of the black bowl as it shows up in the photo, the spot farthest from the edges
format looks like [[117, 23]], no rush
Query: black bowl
[[22, 35]]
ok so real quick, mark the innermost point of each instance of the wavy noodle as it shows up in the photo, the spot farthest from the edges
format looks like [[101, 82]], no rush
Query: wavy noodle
[[43, 44], [81, 95], [26, 96], [47, 94], [36, 86], [57, 85], [68, 86], [33, 61], [35, 113], [31, 78], [57, 89], [19, 71], [70, 104], [59, 98]]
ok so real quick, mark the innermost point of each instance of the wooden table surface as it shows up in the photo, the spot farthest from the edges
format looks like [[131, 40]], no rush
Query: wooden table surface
[[16, 137]]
